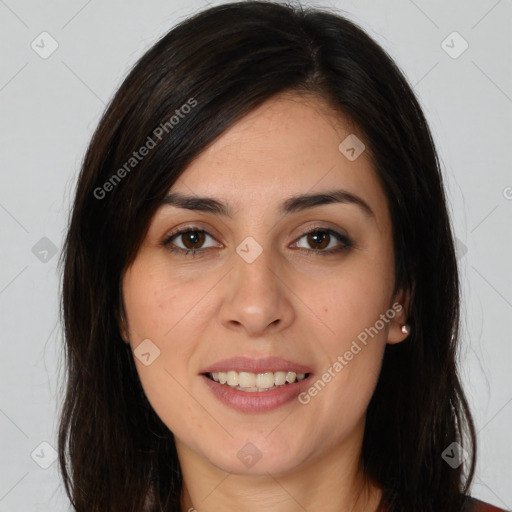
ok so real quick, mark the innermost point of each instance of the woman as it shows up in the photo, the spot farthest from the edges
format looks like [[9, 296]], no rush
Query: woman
[[260, 291]]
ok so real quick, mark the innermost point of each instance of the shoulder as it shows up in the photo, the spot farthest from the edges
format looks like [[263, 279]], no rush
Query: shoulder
[[474, 505]]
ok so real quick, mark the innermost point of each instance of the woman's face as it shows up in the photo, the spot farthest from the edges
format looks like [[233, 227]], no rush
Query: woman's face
[[271, 287]]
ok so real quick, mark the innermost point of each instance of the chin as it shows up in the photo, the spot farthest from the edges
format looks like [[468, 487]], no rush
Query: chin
[[256, 455]]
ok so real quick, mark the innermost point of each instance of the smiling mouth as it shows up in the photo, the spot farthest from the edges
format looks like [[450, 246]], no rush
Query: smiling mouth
[[256, 382]]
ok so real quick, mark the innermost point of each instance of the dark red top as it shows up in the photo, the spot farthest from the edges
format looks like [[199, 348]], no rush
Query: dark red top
[[474, 505]]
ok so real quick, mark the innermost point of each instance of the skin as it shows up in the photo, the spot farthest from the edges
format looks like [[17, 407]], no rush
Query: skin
[[288, 302]]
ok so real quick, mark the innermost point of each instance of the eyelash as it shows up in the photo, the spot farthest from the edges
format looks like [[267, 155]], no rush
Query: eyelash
[[346, 243]]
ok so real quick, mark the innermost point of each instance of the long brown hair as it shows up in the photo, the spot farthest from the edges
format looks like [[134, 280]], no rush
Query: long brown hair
[[115, 453]]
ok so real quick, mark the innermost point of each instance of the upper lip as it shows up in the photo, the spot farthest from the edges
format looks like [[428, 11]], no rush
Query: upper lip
[[262, 365]]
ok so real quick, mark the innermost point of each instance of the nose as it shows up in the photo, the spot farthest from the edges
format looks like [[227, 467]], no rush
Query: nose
[[256, 299]]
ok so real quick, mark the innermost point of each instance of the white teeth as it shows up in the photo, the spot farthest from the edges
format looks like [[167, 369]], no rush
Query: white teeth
[[247, 381], [290, 377], [279, 378], [232, 378], [264, 380]]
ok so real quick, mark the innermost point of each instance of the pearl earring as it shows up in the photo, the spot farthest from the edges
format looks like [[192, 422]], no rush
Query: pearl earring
[[405, 328]]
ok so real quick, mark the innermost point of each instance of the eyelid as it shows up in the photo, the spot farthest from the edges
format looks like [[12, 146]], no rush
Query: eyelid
[[190, 227], [318, 226]]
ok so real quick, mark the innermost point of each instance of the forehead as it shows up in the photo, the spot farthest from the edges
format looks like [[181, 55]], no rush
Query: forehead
[[288, 146]]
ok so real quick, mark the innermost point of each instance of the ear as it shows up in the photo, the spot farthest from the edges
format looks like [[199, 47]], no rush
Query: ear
[[124, 335], [400, 305]]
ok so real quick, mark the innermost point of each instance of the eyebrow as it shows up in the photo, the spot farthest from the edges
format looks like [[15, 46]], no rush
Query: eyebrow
[[293, 204]]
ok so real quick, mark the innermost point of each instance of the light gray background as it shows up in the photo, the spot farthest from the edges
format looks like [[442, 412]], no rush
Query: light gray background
[[49, 108]]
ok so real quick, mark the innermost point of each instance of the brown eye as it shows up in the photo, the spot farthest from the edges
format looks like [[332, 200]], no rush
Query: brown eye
[[191, 239], [318, 240]]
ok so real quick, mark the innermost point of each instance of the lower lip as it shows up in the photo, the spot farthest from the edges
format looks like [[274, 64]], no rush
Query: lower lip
[[257, 401]]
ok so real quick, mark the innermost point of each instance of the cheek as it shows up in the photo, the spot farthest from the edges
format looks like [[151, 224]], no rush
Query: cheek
[[349, 301], [166, 311], [352, 337], [156, 302]]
